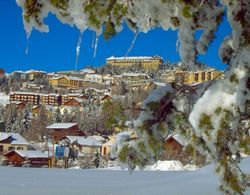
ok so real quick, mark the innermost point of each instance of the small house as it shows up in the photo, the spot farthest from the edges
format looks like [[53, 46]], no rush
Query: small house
[[84, 144], [174, 148], [106, 147], [33, 158], [12, 141], [60, 130], [74, 102]]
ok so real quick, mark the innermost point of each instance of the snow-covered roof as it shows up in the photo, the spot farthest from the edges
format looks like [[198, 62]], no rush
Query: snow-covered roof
[[31, 153], [37, 71], [67, 77], [50, 94], [84, 141], [178, 138], [74, 78], [61, 125], [88, 70], [132, 74], [79, 100], [160, 84], [17, 139], [24, 93], [134, 58]]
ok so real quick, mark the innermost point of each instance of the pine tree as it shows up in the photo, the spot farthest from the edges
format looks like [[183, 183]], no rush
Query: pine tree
[[26, 119], [58, 118], [10, 118]]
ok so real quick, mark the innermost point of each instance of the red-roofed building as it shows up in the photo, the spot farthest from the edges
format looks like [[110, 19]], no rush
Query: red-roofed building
[[60, 130]]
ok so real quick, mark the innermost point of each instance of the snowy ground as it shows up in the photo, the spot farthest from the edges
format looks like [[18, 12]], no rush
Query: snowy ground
[[4, 99], [161, 166], [28, 181]]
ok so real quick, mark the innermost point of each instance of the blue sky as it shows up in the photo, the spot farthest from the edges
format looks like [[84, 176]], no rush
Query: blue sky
[[56, 50]]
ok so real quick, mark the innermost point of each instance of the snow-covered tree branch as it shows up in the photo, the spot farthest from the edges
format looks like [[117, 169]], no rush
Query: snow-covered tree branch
[[210, 116]]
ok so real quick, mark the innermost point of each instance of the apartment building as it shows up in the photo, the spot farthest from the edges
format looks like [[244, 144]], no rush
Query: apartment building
[[146, 62], [51, 99], [35, 74], [27, 97], [191, 77], [66, 82], [135, 79]]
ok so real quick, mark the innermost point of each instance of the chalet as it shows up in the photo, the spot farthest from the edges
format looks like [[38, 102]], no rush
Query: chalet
[[49, 110], [27, 97], [70, 96], [106, 98], [74, 102], [31, 158], [18, 105], [174, 147], [12, 141], [84, 144], [60, 130]]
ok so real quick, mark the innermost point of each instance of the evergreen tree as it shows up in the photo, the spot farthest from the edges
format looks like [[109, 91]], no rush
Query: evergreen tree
[[10, 118], [26, 119], [58, 118], [97, 160]]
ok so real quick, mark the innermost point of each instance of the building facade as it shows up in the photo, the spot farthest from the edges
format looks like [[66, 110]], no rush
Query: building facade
[[32, 98], [51, 99], [12, 141], [146, 62], [191, 77], [66, 82]]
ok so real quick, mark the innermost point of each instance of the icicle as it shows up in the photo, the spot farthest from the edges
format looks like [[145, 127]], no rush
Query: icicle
[[27, 43], [78, 48], [177, 45], [132, 44], [93, 40], [96, 44]]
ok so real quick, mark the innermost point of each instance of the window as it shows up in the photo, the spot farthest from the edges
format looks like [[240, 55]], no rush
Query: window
[[19, 148], [11, 148], [203, 76], [196, 77]]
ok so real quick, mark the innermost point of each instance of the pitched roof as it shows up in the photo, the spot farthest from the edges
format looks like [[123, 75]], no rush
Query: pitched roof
[[178, 138], [61, 125], [17, 139], [84, 141], [30, 153]]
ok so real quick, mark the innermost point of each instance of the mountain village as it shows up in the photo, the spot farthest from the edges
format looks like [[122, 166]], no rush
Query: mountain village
[[75, 118]]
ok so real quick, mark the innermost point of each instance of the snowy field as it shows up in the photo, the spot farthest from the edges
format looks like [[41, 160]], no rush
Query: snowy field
[[29, 181], [4, 99]]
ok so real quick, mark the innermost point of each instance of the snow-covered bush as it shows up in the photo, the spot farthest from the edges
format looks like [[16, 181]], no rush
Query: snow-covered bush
[[210, 116]]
